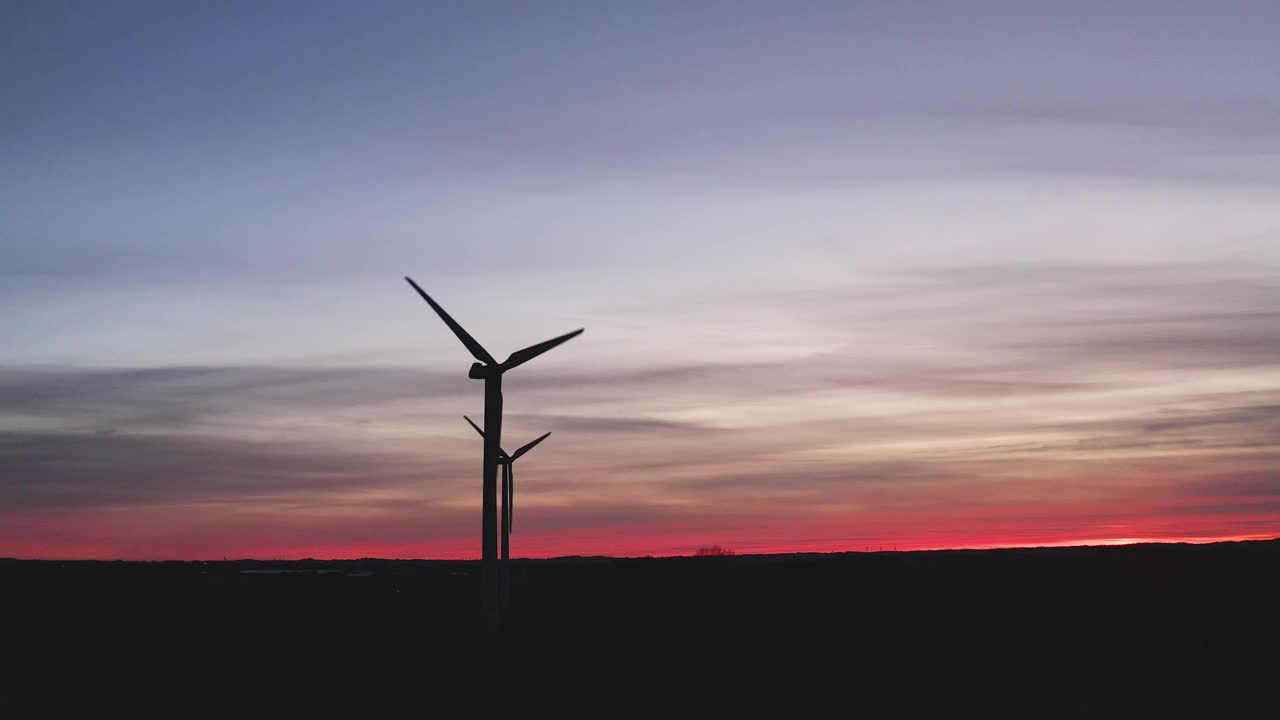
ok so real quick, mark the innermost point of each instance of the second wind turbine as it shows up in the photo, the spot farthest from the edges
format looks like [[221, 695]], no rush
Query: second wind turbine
[[491, 371], [508, 486]]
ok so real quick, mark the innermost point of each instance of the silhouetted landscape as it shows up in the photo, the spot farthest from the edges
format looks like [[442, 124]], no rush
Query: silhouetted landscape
[[1107, 631]]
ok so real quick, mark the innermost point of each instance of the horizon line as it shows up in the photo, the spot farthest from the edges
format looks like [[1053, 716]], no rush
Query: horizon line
[[1083, 543]]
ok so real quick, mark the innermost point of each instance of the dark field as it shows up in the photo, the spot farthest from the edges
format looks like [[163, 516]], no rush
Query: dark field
[[1107, 632]]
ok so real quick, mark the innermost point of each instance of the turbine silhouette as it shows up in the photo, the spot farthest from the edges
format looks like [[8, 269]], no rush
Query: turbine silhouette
[[508, 462], [491, 371]]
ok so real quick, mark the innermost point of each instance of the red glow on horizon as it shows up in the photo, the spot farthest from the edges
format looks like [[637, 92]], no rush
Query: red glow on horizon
[[465, 551], [146, 534]]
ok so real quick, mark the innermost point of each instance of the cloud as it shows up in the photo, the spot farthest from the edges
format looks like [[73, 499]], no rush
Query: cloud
[[181, 395], [46, 470], [1264, 484], [605, 425], [1069, 323], [777, 140]]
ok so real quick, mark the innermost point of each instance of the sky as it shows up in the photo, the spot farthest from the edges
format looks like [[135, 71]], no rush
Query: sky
[[854, 275]]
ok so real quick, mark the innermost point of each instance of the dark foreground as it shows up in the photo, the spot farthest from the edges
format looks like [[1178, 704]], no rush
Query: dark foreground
[[1105, 632]]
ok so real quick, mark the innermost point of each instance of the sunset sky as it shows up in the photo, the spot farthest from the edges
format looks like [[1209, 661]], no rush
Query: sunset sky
[[853, 275]]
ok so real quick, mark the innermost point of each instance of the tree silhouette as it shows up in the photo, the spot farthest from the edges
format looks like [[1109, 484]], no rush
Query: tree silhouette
[[713, 551]]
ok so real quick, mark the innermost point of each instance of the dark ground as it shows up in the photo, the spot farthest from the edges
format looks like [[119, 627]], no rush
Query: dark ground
[[1138, 631]]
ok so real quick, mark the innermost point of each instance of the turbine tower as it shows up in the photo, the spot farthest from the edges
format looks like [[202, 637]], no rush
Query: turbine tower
[[508, 462], [491, 371]]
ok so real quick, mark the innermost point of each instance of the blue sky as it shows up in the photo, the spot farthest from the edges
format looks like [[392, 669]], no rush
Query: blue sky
[[836, 241]]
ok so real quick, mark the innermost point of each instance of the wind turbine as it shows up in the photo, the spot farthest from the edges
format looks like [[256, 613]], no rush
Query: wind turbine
[[508, 462], [491, 371]]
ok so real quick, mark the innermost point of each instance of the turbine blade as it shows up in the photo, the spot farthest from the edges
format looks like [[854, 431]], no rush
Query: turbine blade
[[521, 357], [478, 352], [502, 455], [528, 447], [511, 496]]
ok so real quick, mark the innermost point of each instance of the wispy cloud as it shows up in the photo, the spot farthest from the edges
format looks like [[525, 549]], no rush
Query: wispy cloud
[[1035, 398], [992, 391]]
